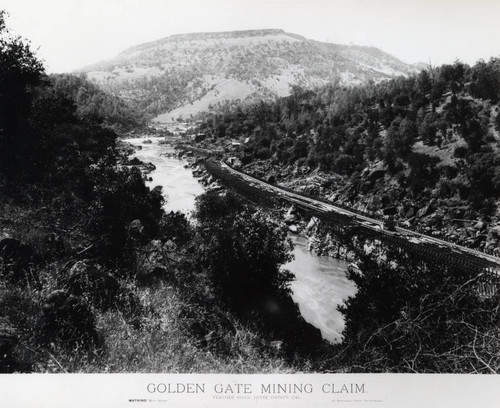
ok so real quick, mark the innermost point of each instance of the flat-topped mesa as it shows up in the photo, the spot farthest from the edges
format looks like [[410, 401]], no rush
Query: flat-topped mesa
[[225, 34], [207, 36], [185, 74]]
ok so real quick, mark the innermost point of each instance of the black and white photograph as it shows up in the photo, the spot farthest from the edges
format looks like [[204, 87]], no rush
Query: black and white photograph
[[254, 202]]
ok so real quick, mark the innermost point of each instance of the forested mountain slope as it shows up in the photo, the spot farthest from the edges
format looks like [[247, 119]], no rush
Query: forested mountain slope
[[96, 105], [424, 148]]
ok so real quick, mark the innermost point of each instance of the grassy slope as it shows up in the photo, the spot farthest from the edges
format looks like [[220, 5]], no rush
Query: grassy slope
[[154, 338], [192, 66]]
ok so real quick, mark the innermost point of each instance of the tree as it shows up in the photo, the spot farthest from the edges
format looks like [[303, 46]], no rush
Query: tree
[[427, 130], [399, 141], [424, 82], [242, 251], [485, 82], [422, 172], [20, 72]]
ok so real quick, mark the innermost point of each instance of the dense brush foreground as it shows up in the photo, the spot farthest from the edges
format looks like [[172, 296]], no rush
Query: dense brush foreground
[[95, 277]]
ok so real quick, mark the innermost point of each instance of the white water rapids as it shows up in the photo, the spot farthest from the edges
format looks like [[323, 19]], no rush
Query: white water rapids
[[320, 283]]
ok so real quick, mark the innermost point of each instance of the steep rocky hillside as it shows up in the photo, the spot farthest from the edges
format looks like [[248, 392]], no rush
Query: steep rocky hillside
[[423, 149], [182, 75]]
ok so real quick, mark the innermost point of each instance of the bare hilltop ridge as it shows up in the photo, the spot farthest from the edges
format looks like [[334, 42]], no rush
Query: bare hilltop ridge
[[184, 74]]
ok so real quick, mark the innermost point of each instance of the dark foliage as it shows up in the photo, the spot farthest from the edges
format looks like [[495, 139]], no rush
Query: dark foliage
[[20, 73], [176, 227], [96, 106], [120, 198], [240, 252], [59, 170], [409, 316], [67, 320]]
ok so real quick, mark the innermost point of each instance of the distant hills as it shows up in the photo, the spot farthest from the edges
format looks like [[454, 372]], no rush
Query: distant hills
[[184, 74]]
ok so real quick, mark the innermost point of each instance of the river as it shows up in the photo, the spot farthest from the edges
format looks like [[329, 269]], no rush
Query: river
[[320, 283], [180, 188]]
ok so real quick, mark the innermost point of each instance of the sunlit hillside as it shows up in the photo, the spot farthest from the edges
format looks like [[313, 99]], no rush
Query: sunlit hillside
[[182, 75]]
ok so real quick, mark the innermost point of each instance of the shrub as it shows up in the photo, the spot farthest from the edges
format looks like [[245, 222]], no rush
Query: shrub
[[123, 197], [242, 251], [409, 316]]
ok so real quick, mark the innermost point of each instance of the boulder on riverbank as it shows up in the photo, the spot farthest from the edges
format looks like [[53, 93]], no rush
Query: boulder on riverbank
[[134, 162], [354, 268], [291, 215]]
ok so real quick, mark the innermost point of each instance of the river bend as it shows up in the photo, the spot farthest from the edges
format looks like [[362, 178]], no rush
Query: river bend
[[320, 283]]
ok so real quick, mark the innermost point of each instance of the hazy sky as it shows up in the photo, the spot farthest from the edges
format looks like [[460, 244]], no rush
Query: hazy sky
[[74, 33]]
